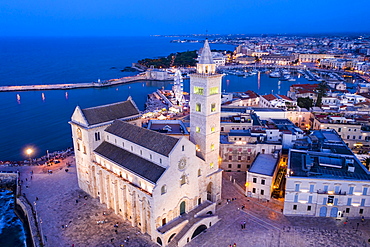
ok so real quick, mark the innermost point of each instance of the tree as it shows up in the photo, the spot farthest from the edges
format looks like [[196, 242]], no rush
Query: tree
[[305, 102], [321, 90]]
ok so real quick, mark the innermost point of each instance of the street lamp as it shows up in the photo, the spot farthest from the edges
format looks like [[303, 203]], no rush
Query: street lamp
[[29, 151]]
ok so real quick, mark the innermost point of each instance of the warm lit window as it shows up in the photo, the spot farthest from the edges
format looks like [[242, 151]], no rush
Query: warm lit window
[[198, 90], [213, 129], [197, 129], [79, 134], [213, 90], [212, 147], [199, 172], [211, 165], [198, 107], [213, 107]]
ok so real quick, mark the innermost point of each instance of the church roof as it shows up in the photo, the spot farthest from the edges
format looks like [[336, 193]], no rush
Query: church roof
[[206, 55], [106, 113], [130, 161], [152, 140]]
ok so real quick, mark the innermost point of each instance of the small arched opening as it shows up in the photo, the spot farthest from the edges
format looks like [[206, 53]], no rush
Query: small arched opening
[[171, 237], [159, 241], [199, 230]]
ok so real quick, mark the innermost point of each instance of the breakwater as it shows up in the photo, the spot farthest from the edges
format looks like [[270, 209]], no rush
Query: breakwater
[[106, 83]]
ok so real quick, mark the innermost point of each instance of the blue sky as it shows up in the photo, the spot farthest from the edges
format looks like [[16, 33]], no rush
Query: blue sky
[[148, 17]]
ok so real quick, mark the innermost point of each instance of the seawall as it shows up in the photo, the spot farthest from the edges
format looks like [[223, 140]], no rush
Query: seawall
[[23, 208], [67, 86]]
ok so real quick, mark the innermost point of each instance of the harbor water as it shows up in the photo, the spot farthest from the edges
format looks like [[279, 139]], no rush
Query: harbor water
[[39, 119]]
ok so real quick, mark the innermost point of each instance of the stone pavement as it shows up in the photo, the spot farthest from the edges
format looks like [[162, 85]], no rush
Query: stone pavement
[[66, 217], [267, 226], [61, 203]]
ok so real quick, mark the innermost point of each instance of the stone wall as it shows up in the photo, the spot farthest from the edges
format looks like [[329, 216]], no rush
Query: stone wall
[[9, 180]]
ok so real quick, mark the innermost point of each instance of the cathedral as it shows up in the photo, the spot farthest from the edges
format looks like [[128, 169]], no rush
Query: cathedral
[[166, 186]]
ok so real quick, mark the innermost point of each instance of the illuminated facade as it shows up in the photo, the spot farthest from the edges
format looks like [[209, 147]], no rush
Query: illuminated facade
[[166, 186]]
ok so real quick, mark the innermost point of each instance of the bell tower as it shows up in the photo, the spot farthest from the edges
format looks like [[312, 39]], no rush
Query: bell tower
[[205, 107]]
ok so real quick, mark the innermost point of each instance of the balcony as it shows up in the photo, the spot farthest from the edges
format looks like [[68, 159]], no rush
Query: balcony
[[340, 193]]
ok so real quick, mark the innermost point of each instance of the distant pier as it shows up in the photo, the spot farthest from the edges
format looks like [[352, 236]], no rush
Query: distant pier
[[106, 83]]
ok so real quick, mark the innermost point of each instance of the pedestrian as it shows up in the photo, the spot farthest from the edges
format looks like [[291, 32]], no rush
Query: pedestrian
[[111, 240], [31, 177], [234, 245], [241, 224], [243, 207], [76, 201], [37, 198], [116, 231], [244, 224], [26, 179]]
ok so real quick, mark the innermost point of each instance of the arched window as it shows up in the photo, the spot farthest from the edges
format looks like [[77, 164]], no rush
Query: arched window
[[163, 189], [79, 134]]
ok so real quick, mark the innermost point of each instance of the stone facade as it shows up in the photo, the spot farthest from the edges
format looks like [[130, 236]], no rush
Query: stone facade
[[166, 186]]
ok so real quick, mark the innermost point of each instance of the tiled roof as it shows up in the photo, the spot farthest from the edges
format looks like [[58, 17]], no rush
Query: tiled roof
[[130, 161], [152, 140], [285, 97], [269, 97], [106, 113]]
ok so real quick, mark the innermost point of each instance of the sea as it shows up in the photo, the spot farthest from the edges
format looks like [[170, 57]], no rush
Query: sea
[[39, 119]]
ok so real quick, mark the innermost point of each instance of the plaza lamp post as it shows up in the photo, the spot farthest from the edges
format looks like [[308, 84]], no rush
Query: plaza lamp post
[[29, 151]]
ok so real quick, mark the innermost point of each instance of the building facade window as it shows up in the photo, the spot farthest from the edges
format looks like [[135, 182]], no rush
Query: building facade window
[[213, 107], [239, 166], [212, 147], [197, 129], [296, 197], [182, 180], [211, 165], [213, 90], [262, 192], [297, 187], [364, 191], [254, 190], [198, 107], [309, 199], [363, 202], [312, 187], [97, 136], [198, 90], [199, 172], [213, 129], [294, 207], [230, 166], [351, 190], [349, 201], [308, 208], [262, 181], [163, 189], [254, 180]]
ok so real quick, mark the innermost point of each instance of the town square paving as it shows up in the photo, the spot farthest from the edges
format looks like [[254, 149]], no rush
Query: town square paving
[[69, 217]]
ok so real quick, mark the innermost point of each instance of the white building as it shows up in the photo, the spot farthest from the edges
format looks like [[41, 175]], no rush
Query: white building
[[326, 180], [158, 182], [261, 176]]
